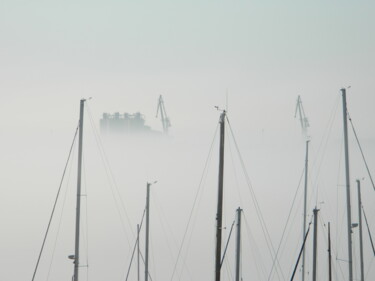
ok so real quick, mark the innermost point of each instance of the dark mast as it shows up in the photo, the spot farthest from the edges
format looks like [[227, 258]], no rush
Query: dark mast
[[219, 215]]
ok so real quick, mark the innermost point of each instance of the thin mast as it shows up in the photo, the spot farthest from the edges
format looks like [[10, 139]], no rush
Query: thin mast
[[238, 244], [138, 252], [219, 215], [329, 253], [360, 229], [347, 177], [78, 208], [315, 242], [147, 229], [305, 206]]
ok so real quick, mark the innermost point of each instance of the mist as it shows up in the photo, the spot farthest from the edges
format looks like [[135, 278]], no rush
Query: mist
[[252, 59]]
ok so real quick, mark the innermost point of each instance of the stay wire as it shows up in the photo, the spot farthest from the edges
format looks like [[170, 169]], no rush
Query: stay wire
[[54, 205], [195, 202], [360, 148], [111, 179], [168, 229], [60, 220], [256, 204], [135, 246], [226, 245], [300, 253], [254, 250], [368, 229], [286, 224]]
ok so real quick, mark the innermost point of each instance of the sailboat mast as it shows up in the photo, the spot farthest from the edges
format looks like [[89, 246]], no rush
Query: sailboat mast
[[219, 215], [238, 244], [347, 177], [147, 229], [138, 252], [315, 242], [329, 253], [360, 229], [305, 206], [78, 207]]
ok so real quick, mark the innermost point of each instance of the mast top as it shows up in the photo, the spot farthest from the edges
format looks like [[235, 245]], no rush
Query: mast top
[[223, 113]]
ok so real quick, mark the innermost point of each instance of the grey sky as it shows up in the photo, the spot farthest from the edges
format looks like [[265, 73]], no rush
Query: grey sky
[[125, 54]]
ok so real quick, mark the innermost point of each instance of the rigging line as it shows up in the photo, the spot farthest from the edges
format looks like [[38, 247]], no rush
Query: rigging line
[[369, 268], [360, 148], [108, 167], [300, 253], [54, 205], [226, 246], [328, 129], [368, 229], [195, 201], [167, 228], [60, 220], [235, 173], [286, 224], [202, 183], [255, 252], [135, 246], [163, 226], [323, 145], [228, 271], [256, 204], [110, 177]]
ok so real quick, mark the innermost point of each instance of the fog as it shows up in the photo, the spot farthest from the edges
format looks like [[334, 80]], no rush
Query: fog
[[250, 58]]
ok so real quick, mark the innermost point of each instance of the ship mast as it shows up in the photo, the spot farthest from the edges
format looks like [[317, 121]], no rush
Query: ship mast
[[360, 229], [147, 229], [305, 207], [238, 244], [347, 178], [219, 215], [78, 206]]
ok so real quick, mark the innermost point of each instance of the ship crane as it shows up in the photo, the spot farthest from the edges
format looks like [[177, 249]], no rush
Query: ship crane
[[302, 116], [163, 115]]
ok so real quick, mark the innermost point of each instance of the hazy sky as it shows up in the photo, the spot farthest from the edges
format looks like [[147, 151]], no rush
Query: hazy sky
[[124, 54]]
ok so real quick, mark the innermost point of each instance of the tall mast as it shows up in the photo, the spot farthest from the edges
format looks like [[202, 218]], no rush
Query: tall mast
[[305, 206], [360, 229], [347, 177], [315, 242], [138, 253], [147, 229], [219, 215], [78, 207], [238, 244], [329, 253]]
